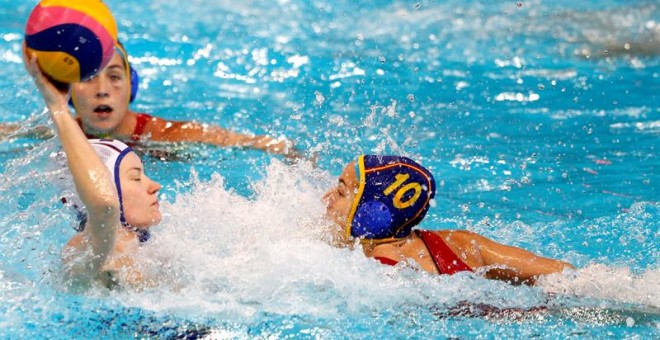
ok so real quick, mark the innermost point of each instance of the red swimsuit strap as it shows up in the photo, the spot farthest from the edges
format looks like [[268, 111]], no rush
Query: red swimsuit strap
[[141, 122], [385, 260], [445, 259]]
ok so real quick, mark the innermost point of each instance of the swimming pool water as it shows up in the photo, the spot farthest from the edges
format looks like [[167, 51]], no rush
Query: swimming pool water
[[539, 119]]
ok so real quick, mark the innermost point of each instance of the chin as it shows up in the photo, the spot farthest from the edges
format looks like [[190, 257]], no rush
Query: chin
[[97, 128], [107, 127], [332, 217], [342, 242], [154, 221], [148, 223], [157, 219]]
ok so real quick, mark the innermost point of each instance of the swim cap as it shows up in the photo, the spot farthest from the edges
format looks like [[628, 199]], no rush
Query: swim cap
[[132, 73], [112, 152], [393, 196]]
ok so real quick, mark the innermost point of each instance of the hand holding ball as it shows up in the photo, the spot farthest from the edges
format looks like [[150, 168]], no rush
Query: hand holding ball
[[73, 39]]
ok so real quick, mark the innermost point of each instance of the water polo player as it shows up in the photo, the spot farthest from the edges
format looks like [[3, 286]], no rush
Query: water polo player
[[102, 108], [379, 199], [120, 200]]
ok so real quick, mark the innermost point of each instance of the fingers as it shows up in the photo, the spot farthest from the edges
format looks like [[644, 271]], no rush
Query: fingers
[[25, 51], [30, 60], [54, 96], [32, 66]]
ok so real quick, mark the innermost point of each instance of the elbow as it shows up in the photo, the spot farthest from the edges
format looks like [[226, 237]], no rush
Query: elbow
[[104, 206], [96, 189], [559, 266]]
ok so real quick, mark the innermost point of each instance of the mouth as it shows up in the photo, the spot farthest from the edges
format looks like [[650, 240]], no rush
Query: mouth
[[328, 213], [103, 110]]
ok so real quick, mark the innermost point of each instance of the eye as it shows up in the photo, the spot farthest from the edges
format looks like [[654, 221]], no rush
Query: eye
[[116, 77]]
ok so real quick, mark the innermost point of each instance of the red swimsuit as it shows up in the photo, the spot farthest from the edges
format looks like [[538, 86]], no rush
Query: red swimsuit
[[444, 258], [141, 123]]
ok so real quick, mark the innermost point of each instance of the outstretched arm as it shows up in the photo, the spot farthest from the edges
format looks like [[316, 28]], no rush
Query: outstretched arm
[[515, 264], [177, 131], [9, 130], [91, 178], [14, 130]]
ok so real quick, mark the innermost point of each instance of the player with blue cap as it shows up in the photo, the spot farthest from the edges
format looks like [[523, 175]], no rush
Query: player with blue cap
[[379, 199]]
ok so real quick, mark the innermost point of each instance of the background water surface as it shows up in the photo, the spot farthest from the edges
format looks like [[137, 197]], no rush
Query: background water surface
[[539, 119]]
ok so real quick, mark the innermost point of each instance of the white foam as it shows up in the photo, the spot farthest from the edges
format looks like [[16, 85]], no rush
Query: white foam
[[608, 283], [221, 254]]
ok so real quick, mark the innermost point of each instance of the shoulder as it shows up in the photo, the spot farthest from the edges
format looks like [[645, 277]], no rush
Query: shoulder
[[457, 235], [142, 118], [465, 243], [141, 123], [156, 125], [385, 251]]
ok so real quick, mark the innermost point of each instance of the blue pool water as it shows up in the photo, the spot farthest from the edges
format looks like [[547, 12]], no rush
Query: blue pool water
[[540, 120]]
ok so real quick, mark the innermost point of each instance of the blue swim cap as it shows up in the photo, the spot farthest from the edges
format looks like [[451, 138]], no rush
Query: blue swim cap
[[393, 196], [132, 73]]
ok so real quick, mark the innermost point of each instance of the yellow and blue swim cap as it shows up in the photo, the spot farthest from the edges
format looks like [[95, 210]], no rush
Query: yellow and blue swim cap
[[393, 196]]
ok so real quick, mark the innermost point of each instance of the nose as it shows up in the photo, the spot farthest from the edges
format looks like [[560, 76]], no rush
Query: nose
[[327, 197], [154, 186], [101, 87]]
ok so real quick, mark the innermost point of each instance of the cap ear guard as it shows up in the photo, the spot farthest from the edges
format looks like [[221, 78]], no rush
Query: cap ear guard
[[135, 83], [372, 220], [133, 78]]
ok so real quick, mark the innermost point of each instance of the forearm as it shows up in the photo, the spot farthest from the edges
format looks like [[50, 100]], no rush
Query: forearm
[[522, 266], [261, 142], [211, 134], [92, 181], [269, 144], [91, 177], [513, 263], [526, 273], [539, 266]]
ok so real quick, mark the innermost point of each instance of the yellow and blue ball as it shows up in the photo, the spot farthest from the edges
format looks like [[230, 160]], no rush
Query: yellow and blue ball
[[73, 39]]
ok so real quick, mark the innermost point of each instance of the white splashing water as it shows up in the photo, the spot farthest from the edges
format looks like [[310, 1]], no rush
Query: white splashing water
[[608, 283], [222, 255]]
